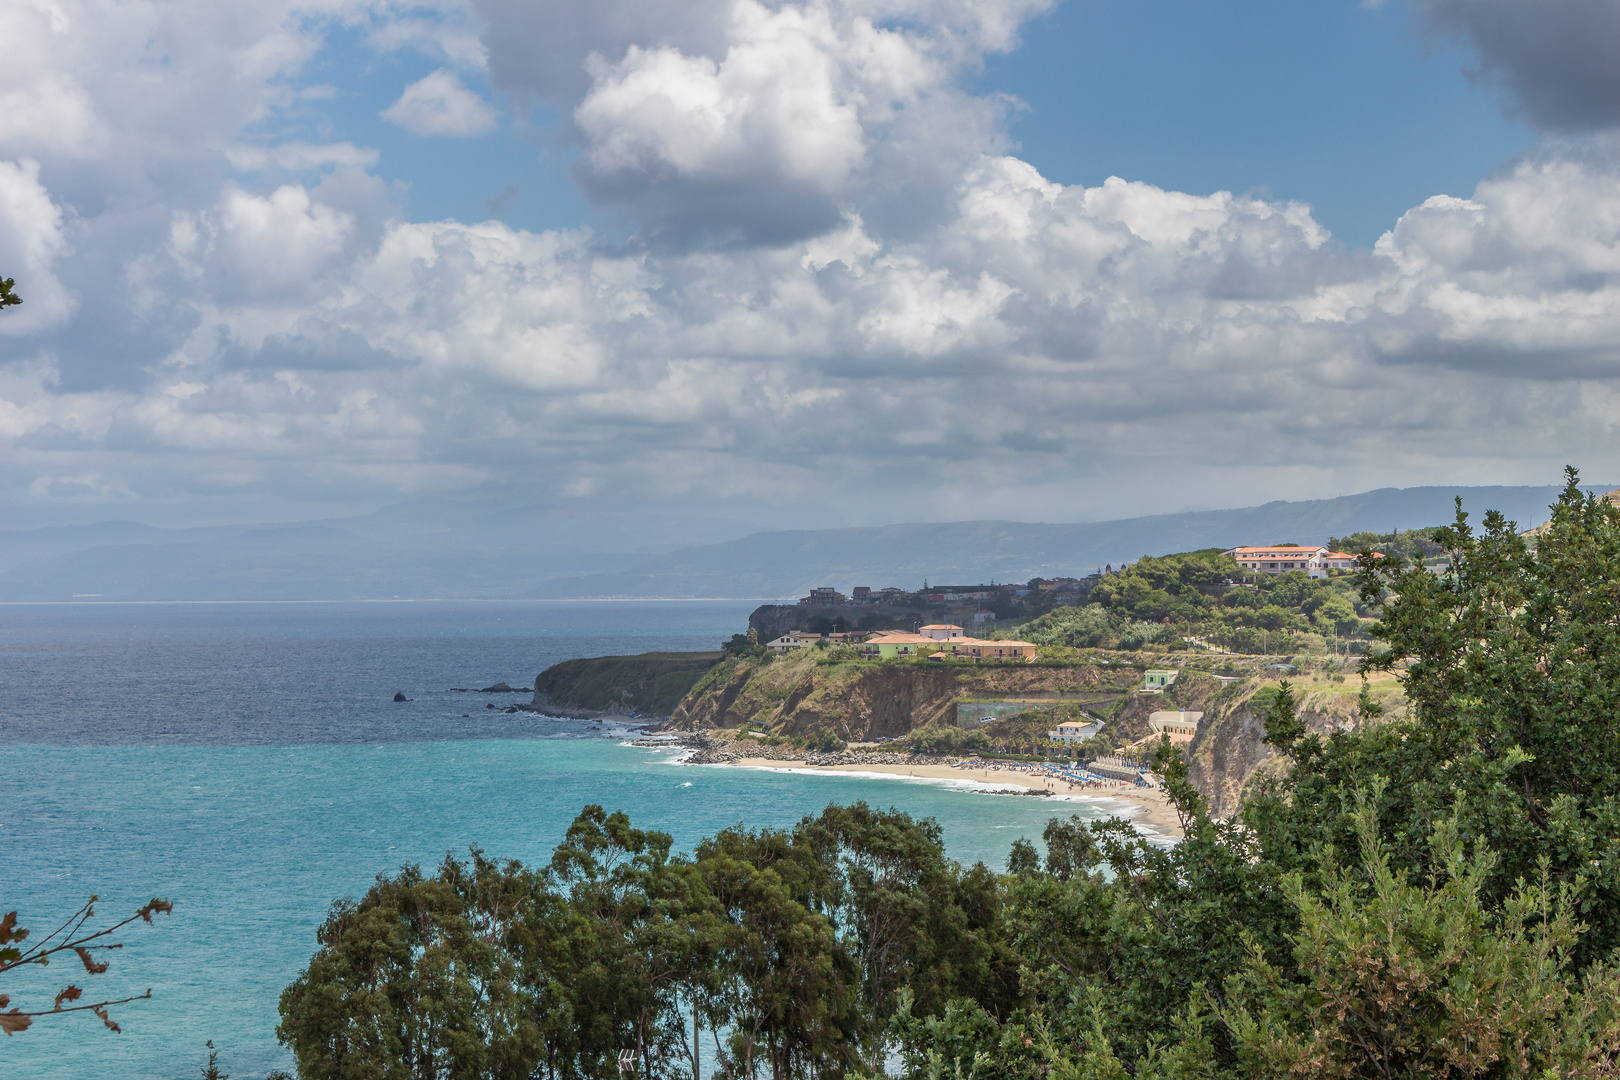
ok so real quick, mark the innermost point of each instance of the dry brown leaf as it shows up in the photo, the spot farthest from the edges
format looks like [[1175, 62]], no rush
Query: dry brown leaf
[[89, 962]]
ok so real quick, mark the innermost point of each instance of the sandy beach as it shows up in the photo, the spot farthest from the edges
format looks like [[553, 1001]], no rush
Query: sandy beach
[[1140, 806]]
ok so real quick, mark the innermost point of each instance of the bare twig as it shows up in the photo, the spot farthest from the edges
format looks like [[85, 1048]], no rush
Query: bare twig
[[70, 936]]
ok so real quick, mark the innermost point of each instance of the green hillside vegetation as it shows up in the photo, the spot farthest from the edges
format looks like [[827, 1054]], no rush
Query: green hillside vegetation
[[1023, 734], [1435, 894], [1410, 545], [1204, 594]]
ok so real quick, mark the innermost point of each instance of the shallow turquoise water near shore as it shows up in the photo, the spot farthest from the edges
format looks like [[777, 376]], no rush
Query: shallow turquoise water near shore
[[252, 819]]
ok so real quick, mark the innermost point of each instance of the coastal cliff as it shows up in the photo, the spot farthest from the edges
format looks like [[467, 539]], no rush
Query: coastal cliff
[[860, 701], [1230, 752], [651, 684], [857, 701]]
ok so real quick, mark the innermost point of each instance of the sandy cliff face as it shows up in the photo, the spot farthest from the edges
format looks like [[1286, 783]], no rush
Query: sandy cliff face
[[857, 701], [1230, 749], [870, 701]]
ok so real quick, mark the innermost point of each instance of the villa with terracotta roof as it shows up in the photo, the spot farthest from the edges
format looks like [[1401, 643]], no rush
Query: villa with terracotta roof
[[973, 649], [897, 643], [1314, 561]]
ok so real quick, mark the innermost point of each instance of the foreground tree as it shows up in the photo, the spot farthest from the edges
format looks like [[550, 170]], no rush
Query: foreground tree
[[1511, 663], [787, 951], [416, 981], [1255, 948], [1400, 977], [8, 298]]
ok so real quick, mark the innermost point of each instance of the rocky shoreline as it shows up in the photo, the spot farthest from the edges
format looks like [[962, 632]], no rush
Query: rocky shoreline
[[709, 750]]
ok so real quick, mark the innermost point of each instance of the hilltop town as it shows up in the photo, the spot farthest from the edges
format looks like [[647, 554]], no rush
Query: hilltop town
[[976, 621]]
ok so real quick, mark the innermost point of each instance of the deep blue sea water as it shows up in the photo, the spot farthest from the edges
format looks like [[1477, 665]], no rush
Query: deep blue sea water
[[247, 762]]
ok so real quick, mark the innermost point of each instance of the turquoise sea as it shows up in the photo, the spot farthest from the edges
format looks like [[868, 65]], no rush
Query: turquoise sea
[[247, 762]]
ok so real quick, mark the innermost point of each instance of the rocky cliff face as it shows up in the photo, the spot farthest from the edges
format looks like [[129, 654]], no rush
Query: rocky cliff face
[[802, 694], [796, 695], [1192, 690], [1230, 751], [649, 685]]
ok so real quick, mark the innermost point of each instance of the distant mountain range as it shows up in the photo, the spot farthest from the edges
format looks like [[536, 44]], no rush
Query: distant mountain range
[[490, 548], [789, 564], [427, 548]]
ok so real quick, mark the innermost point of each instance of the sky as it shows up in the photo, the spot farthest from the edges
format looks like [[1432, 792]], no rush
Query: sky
[[801, 261]]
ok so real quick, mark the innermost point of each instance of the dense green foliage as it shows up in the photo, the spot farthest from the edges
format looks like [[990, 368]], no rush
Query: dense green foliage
[[1409, 545], [946, 739], [787, 951], [744, 645], [823, 741], [8, 295], [1435, 894], [1160, 601]]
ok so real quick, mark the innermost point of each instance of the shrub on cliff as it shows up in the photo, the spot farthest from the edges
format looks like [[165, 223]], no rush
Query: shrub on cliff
[[943, 739], [824, 742]]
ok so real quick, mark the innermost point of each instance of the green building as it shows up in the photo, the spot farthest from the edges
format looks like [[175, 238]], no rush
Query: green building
[[1158, 680]]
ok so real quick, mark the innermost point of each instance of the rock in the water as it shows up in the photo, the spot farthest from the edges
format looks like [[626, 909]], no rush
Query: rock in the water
[[502, 688], [400, 696]]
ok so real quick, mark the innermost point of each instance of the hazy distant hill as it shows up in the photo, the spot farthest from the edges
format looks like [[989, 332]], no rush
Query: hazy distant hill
[[489, 547], [435, 547], [782, 564]]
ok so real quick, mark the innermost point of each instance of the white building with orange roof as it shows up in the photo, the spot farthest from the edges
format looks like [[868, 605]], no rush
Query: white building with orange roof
[[942, 631], [1314, 561]]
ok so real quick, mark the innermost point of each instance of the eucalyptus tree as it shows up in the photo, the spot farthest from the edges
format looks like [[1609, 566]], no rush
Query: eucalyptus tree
[[416, 981], [911, 918], [788, 998]]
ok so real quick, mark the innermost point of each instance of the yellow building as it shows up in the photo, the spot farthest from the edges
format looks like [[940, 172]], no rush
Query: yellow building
[[890, 644], [974, 649]]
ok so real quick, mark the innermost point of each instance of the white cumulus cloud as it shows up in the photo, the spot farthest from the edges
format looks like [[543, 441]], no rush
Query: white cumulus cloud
[[438, 104], [843, 290], [32, 240], [762, 123], [1039, 332]]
